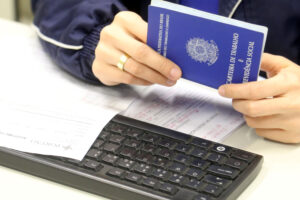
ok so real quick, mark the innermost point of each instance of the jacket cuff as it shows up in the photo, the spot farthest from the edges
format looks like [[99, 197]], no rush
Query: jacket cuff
[[87, 53]]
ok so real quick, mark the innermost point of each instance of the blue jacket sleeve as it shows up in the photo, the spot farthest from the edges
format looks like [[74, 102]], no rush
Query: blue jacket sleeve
[[70, 29]]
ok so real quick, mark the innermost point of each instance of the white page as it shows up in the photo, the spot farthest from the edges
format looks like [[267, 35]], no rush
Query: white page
[[42, 108], [187, 107], [48, 131], [207, 15]]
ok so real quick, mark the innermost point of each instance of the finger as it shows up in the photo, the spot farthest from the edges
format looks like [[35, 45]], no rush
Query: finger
[[108, 54], [279, 135], [111, 75], [266, 122], [124, 77], [263, 107], [128, 20], [147, 56], [273, 63], [274, 86], [144, 72], [112, 57], [99, 69]]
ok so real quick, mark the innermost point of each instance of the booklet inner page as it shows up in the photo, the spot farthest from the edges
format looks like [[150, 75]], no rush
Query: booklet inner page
[[207, 15]]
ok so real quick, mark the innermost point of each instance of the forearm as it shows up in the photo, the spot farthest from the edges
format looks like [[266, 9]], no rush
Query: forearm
[[69, 31]]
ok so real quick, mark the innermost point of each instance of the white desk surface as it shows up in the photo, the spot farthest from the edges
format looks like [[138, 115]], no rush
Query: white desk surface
[[278, 179]]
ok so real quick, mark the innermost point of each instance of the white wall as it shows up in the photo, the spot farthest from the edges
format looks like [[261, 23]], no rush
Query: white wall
[[7, 9]]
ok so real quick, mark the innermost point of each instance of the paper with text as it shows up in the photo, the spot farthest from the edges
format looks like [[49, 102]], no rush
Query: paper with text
[[43, 109], [187, 108]]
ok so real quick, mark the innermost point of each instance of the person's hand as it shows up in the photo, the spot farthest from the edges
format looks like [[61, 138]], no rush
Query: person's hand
[[127, 35], [271, 106]]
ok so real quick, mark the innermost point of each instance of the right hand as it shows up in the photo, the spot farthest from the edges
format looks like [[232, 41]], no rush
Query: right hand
[[128, 34]]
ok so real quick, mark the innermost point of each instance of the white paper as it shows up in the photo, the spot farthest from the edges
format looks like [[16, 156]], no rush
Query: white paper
[[207, 15], [45, 110], [189, 108], [47, 130]]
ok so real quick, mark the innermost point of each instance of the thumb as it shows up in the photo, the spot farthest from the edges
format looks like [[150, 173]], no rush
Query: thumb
[[272, 64]]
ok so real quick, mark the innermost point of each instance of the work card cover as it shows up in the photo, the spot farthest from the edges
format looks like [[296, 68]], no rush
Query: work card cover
[[210, 49]]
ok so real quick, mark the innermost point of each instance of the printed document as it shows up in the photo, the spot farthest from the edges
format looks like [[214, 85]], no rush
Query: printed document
[[45, 110], [187, 107]]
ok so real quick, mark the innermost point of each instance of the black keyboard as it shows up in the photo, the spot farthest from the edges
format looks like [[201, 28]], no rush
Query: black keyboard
[[135, 160]]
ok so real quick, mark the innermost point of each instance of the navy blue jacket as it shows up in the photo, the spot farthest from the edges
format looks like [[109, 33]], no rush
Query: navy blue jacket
[[69, 29]]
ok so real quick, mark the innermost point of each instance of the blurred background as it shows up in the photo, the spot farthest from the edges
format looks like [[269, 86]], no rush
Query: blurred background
[[17, 10]]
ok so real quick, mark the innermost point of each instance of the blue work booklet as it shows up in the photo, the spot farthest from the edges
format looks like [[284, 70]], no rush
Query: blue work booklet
[[210, 49]]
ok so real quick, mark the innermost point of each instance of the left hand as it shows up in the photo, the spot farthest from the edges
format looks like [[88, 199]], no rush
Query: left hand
[[271, 106]]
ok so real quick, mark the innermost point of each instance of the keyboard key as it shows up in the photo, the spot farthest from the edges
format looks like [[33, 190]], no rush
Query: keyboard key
[[116, 138], [109, 125], [116, 172], [215, 180], [177, 179], [134, 133], [198, 152], [242, 155], [221, 149], [193, 184], [199, 163], [133, 177], [94, 153], [235, 163], [118, 128], [201, 143], [195, 173], [212, 190], [166, 153], [149, 182], [94, 165], [168, 143], [168, 188], [179, 157], [98, 143], [150, 148], [184, 148], [127, 152], [149, 138], [110, 147], [160, 173], [144, 157], [125, 163], [141, 168], [160, 162], [177, 167], [223, 171], [132, 143], [218, 158], [104, 134], [110, 159]]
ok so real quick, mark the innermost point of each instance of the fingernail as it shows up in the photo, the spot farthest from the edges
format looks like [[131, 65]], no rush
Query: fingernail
[[222, 91], [170, 82], [175, 73]]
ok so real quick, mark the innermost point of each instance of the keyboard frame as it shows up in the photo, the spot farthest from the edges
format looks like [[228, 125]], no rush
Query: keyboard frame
[[106, 186]]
